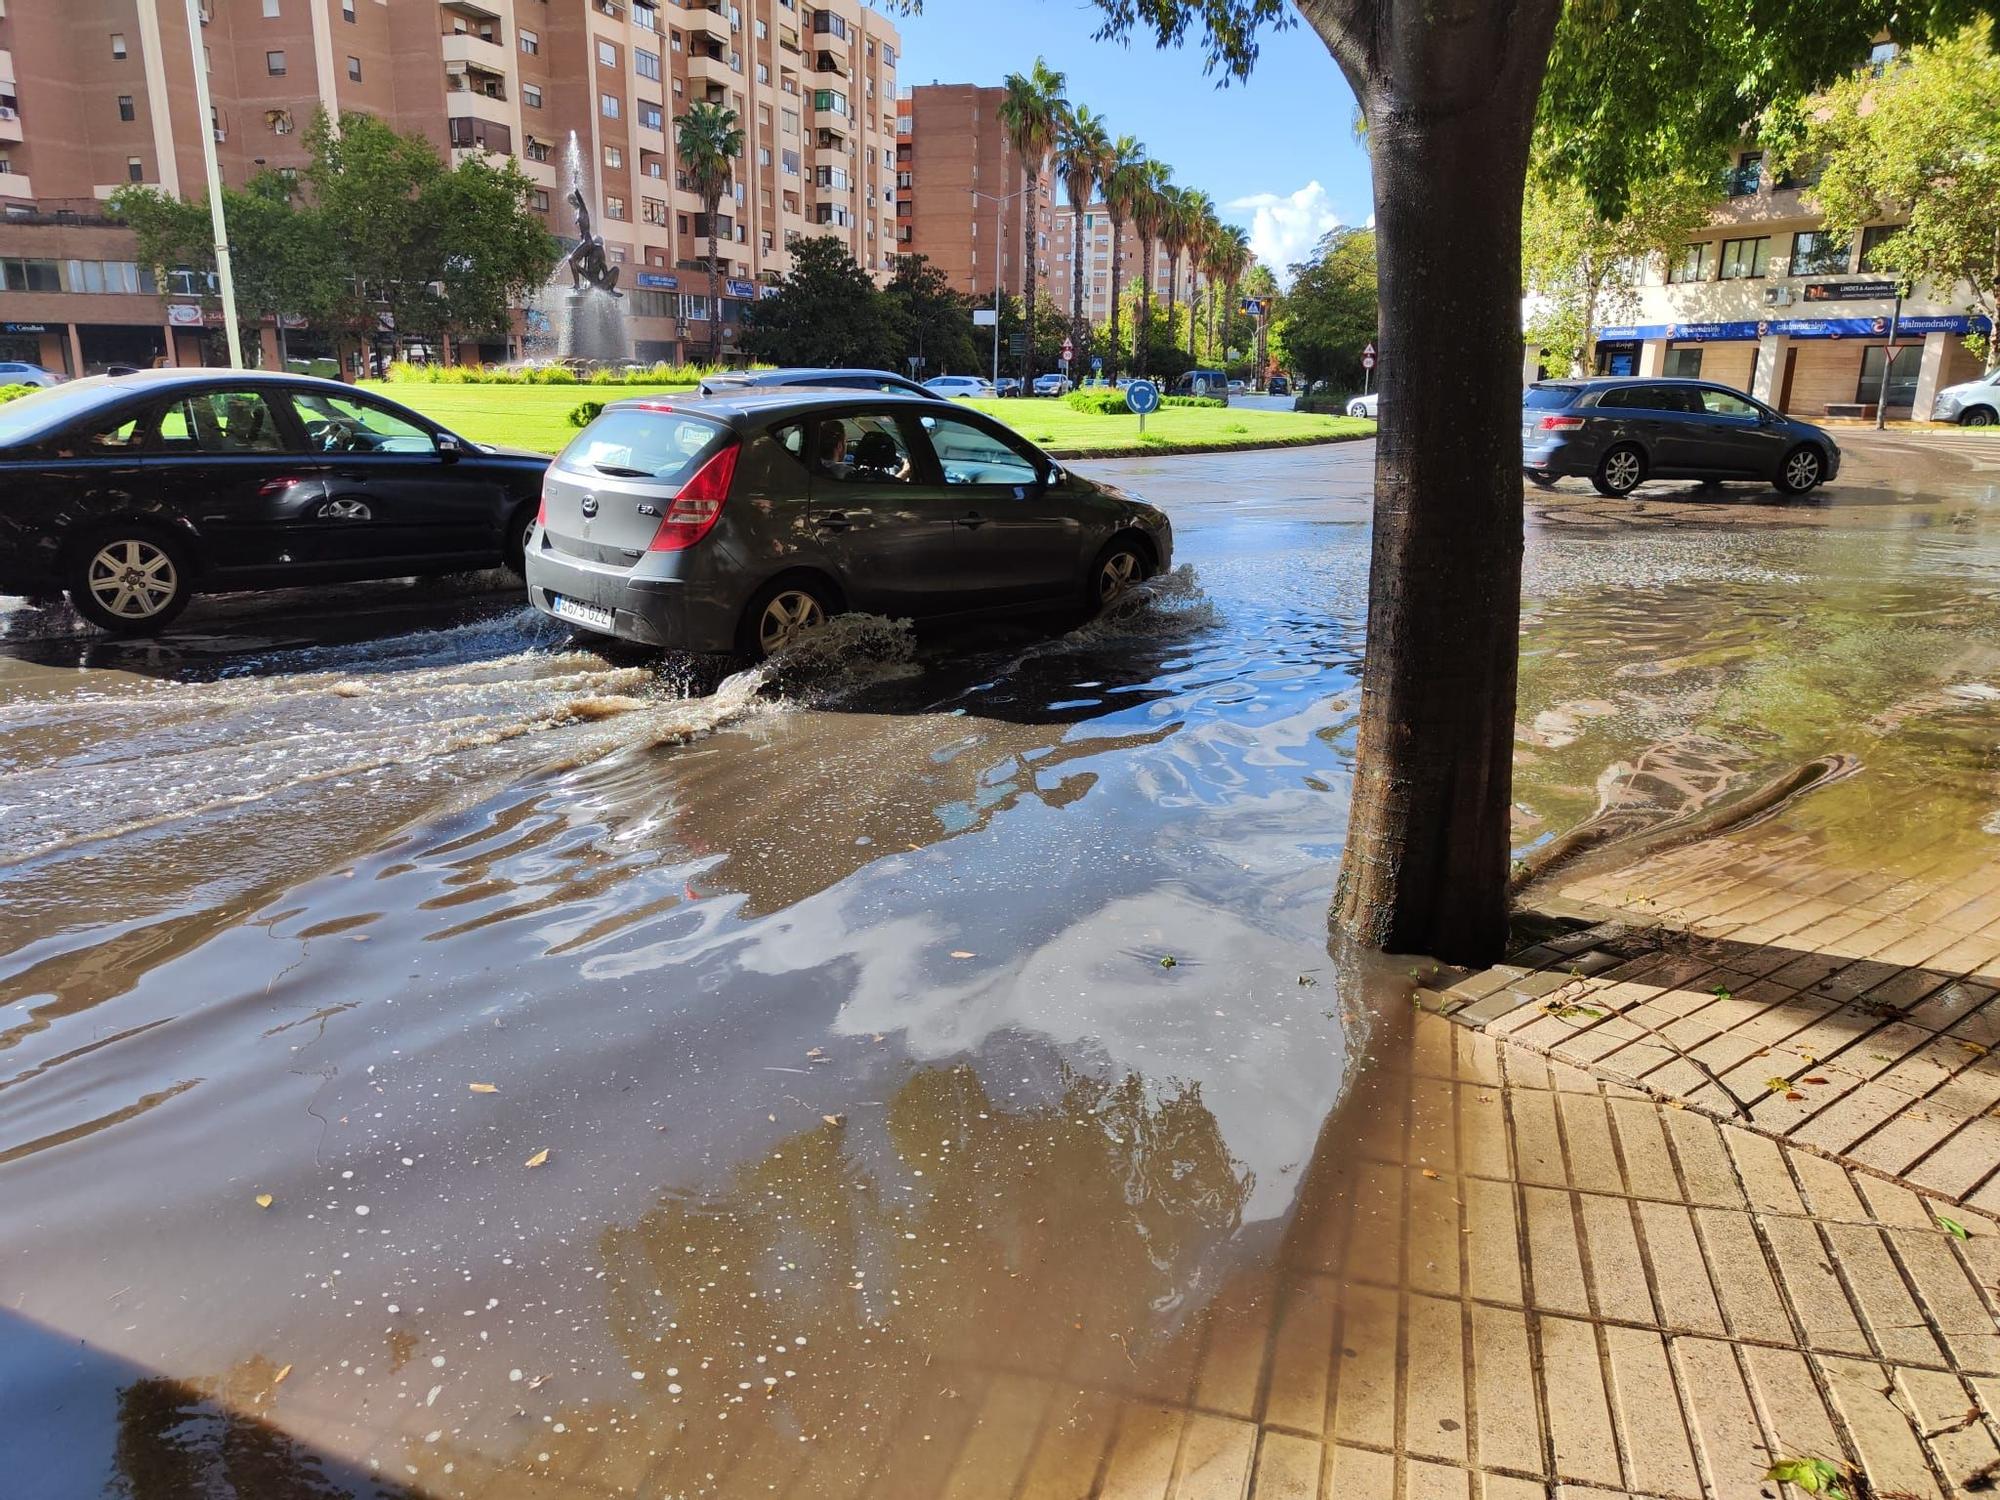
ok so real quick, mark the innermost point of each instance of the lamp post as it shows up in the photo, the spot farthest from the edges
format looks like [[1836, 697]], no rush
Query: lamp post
[[999, 202], [206, 111]]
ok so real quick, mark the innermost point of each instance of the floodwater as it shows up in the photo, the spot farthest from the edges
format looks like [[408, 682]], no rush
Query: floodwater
[[437, 1058]]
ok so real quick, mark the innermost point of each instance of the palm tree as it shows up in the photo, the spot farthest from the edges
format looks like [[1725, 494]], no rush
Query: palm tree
[[708, 141], [1199, 226], [1174, 230], [1124, 180], [1149, 216], [1228, 258], [1032, 114], [1083, 161]]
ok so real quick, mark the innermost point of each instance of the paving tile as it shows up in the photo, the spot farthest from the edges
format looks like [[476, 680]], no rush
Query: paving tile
[[1728, 1442], [1141, 1466], [1617, 1270], [1963, 1161], [1705, 1165], [1538, 1154], [1494, 1255], [1811, 1285], [1507, 1424], [1301, 1355], [1433, 1126], [1482, 1132], [1074, 1439], [1954, 1303], [1431, 1047], [1659, 1458], [1364, 1398], [1891, 1318], [1795, 1414], [1593, 1162], [1427, 1481], [1507, 1487], [1232, 1366], [1889, 1451], [1642, 1140], [1216, 1459], [1477, 1057], [1680, 1276], [1760, 1166], [996, 1450], [1434, 1394], [1579, 1411], [1375, 1239], [1829, 1191], [1950, 1421], [1356, 1472], [1553, 1257], [1736, 1264]]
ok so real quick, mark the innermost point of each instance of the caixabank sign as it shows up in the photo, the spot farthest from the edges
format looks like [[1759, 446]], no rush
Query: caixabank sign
[[1909, 326]]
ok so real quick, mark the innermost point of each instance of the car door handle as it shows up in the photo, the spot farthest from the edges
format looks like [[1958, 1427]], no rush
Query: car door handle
[[971, 521], [833, 520]]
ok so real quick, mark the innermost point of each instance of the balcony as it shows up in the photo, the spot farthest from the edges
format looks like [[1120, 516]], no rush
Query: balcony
[[469, 50], [835, 120], [702, 68], [10, 123], [16, 185], [831, 62], [704, 21], [463, 99], [834, 156]]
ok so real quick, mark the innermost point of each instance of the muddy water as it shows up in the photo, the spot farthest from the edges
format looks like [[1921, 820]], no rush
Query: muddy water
[[730, 1093]]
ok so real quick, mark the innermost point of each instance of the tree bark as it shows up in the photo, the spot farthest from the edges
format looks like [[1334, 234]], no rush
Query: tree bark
[[714, 287], [1033, 222], [1143, 334], [1449, 92], [1173, 291], [1079, 331], [1116, 351]]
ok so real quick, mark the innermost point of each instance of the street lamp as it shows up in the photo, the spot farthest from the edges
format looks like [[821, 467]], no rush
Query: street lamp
[[205, 111], [999, 202]]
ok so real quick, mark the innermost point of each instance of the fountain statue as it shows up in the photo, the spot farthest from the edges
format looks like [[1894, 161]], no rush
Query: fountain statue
[[587, 265], [587, 317]]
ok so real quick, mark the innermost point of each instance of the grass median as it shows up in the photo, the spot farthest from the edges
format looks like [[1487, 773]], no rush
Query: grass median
[[537, 417]]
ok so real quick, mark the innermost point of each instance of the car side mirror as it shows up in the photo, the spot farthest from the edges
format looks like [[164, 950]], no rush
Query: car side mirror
[[449, 448], [1053, 477]]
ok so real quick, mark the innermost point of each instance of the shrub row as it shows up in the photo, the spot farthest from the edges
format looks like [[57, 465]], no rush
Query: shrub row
[[1101, 402], [654, 375], [1323, 406], [10, 392]]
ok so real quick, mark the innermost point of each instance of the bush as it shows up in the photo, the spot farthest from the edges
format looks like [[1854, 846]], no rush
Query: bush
[[401, 372], [14, 392], [1192, 401], [1327, 405], [585, 412], [1097, 401]]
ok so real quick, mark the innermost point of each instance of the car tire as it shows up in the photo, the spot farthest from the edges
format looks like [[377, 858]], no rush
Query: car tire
[[1978, 416], [1356, 409], [1122, 563], [1802, 470], [1541, 481], [130, 580], [1621, 471], [805, 604], [514, 545]]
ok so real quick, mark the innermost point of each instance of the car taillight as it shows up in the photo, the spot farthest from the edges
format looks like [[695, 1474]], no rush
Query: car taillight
[[277, 486], [1561, 424], [542, 510], [699, 504]]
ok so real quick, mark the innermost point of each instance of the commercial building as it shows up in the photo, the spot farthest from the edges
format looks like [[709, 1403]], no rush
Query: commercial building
[[95, 94], [1768, 301]]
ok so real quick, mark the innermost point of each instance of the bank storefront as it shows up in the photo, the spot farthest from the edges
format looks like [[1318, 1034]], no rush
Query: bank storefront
[[1810, 366]]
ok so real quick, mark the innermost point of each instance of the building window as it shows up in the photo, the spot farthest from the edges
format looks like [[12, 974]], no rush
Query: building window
[[1873, 239], [274, 64], [531, 95], [607, 55], [1881, 55], [270, 10], [531, 43], [347, 11], [135, 169], [830, 99], [354, 69], [646, 63], [538, 150], [1690, 265], [614, 158], [1902, 374], [614, 207], [763, 73], [1684, 363], [1817, 253], [1746, 258], [539, 197], [763, 30], [125, 108], [609, 104], [653, 210], [1743, 179], [117, 44], [650, 116]]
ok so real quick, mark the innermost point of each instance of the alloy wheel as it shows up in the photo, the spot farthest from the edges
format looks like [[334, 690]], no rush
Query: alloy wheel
[[1979, 416], [1802, 469], [1622, 469], [132, 579], [789, 616], [1119, 573]]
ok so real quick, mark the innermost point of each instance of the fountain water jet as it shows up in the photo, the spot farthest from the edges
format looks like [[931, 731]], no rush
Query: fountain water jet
[[581, 309]]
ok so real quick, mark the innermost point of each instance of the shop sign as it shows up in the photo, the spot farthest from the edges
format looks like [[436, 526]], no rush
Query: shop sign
[[745, 289], [24, 328], [1795, 328], [184, 315], [1849, 291], [658, 281]]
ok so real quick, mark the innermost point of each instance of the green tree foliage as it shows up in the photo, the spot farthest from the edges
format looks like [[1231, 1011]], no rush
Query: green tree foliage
[[1330, 315], [1032, 113], [827, 312], [1920, 142], [708, 141], [1580, 270], [930, 319]]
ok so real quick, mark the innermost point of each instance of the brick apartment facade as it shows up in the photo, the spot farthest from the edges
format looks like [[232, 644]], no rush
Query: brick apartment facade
[[98, 93], [962, 192]]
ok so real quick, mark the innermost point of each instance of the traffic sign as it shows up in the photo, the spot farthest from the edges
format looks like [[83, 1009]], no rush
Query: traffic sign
[[1368, 358], [1069, 351], [1017, 344], [1142, 396], [1371, 347], [1096, 365], [1253, 307]]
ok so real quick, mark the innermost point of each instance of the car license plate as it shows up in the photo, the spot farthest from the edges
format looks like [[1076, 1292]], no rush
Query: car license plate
[[566, 608]]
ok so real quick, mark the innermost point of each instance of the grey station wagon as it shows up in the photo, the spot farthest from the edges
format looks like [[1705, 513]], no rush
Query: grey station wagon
[[738, 523], [1620, 432]]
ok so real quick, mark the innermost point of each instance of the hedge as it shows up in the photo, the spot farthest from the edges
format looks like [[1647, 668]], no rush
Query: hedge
[[1323, 405], [654, 375], [11, 392], [1098, 401], [585, 413]]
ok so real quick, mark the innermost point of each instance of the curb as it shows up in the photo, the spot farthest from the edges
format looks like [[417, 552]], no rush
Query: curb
[[1177, 450]]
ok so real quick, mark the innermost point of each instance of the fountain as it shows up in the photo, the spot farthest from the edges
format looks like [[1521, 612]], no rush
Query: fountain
[[586, 317]]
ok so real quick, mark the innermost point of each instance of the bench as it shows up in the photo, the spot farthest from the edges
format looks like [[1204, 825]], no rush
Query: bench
[[1861, 411]]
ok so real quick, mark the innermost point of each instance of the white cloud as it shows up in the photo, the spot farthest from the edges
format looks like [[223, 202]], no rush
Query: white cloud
[[1285, 227]]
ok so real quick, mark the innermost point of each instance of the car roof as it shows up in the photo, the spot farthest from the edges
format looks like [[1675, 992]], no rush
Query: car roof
[[765, 402], [189, 375], [1598, 382], [800, 374]]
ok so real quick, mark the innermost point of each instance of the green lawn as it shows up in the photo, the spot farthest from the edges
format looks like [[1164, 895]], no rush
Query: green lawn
[[537, 416]]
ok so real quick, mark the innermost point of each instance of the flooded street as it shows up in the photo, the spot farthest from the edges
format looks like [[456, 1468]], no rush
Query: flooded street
[[437, 1057]]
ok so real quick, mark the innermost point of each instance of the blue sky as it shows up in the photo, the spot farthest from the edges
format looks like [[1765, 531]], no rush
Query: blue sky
[[1277, 154]]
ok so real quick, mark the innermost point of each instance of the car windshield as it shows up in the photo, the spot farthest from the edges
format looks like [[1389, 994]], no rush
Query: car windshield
[[641, 442], [1539, 397], [30, 417]]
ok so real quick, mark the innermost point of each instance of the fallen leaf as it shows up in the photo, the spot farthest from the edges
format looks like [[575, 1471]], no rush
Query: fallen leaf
[[1428, 1172], [961, 953], [1777, 1085], [815, 1052], [1953, 1228], [539, 1157], [484, 1088], [834, 1119], [279, 1378], [1815, 1079], [1794, 1096], [1170, 962], [264, 1200], [1974, 1048], [1815, 1476], [1721, 993], [538, 1382]]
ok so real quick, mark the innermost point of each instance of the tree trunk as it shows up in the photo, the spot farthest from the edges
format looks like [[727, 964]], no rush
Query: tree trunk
[[1143, 334], [1194, 314], [714, 287], [1078, 329], [1449, 98], [1116, 351], [1033, 222], [1173, 291]]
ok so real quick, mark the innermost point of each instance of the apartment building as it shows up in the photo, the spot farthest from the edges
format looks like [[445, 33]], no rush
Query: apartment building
[[1097, 262], [962, 192], [1768, 301], [98, 93]]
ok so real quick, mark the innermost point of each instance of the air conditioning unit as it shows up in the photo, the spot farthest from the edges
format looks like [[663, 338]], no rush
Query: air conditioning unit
[[8, 112], [1778, 296]]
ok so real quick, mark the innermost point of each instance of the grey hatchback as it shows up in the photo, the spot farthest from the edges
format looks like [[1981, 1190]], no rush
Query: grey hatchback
[[1620, 432], [738, 523]]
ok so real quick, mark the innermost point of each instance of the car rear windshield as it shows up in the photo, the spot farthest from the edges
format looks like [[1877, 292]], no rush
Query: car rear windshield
[[1543, 396], [28, 418], [636, 442]]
